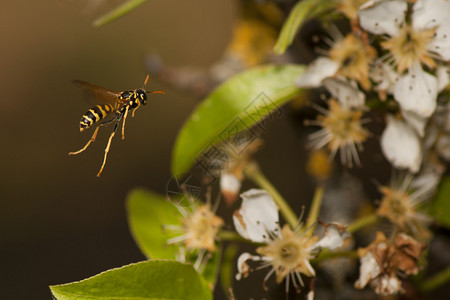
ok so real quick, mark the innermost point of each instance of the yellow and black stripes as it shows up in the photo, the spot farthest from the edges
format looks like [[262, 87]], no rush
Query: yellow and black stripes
[[114, 107], [133, 97], [95, 114]]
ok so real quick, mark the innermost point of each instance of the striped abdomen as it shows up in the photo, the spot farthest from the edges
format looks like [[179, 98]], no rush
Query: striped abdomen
[[95, 114]]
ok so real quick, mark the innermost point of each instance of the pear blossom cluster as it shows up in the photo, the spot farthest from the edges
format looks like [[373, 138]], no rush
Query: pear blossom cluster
[[286, 251], [398, 51], [396, 57]]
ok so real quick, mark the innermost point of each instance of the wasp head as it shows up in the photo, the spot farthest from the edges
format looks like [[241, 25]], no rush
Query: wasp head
[[141, 96]]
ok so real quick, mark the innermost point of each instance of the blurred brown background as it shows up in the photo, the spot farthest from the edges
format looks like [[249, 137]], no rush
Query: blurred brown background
[[59, 223]]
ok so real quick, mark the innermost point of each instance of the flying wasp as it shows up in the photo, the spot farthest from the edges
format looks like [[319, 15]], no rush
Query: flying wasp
[[115, 104]]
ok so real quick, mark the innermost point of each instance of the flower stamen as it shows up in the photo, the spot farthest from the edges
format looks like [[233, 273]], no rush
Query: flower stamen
[[341, 130], [410, 46]]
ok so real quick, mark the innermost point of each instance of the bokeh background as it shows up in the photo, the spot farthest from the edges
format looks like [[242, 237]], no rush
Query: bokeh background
[[59, 222]]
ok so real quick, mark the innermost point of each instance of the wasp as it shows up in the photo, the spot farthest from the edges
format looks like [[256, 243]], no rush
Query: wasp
[[110, 103]]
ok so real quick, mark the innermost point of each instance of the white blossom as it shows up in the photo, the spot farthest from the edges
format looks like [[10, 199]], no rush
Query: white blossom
[[257, 216], [317, 71], [385, 78], [333, 238], [416, 91], [401, 145], [349, 57], [345, 91], [287, 251], [417, 122], [424, 41]]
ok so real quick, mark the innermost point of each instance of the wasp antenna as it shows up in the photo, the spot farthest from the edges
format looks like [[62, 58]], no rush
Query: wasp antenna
[[156, 92], [145, 82]]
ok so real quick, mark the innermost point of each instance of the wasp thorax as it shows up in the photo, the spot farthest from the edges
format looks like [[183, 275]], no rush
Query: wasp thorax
[[126, 95]]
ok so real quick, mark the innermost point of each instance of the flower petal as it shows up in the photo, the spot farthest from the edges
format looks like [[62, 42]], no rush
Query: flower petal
[[368, 270], [382, 17], [443, 147], [257, 216], [318, 70], [417, 122], [384, 76], [242, 266], [428, 14], [334, 237], [416, 91], [425, 184], [440, 44], [348, 95], [310, 270], [401, 145], [443, 77]]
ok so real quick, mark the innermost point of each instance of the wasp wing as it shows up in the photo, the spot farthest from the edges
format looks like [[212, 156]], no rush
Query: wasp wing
[[96, 94]]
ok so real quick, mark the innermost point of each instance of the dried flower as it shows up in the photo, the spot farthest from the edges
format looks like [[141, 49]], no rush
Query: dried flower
[[383, 260]]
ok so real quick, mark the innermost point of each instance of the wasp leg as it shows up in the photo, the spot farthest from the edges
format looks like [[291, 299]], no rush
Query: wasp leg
[[88, 143], [107, 122], [123, 123], [139, 104], [108, 146]]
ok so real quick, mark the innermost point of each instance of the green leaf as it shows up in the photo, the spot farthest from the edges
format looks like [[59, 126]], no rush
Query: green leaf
[[303, 11], [118, 12], [436, 280], [227, 272], [147, 214], [156, 279], [440, 206], [236, 105], [211, 270]]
